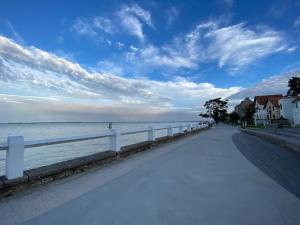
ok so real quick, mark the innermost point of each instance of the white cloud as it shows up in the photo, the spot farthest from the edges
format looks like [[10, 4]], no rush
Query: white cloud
[[16, 35], [171, 14], [138, 11], [104, 24], [106, 66], [132, 19], [237, 46], [277, 84], [232, 47], [229, 3], [34, 72], [133, 48], [297, 22], [83, 27], [120, 45], [167, 56]]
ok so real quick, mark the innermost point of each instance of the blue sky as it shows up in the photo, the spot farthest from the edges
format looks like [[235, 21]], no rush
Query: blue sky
[[141, 59]]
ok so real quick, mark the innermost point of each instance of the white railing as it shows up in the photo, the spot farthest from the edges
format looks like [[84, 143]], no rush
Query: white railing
[[15, 145]]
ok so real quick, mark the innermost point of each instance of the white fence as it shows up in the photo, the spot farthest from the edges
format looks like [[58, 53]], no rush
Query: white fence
[[15, 145]]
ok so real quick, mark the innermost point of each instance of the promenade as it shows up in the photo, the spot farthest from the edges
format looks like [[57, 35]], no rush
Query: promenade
[[202, 179]]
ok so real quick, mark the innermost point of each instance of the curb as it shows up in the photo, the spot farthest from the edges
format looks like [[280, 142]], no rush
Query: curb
[[278, 141]]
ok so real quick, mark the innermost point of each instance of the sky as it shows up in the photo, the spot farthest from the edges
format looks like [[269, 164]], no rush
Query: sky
[[141, 60]]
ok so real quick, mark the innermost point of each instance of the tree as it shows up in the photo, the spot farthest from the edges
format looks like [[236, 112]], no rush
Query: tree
[[249, 111], [234, 117], [294, 85], [204, 115], [217, 109]]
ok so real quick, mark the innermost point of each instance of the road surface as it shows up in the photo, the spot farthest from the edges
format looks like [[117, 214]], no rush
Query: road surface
[[280, 164], [203, 179]]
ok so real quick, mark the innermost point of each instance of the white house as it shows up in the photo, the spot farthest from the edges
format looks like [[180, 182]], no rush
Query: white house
[[262, 114], [290, 109], [272, 108]]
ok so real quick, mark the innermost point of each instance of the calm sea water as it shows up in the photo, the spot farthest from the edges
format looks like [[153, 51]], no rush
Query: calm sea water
[[41, 156]]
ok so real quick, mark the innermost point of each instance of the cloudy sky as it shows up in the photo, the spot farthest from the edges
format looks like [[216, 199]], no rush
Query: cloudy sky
[[141, 60]]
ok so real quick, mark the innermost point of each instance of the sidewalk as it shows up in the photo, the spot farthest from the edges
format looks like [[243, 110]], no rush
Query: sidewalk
[[203, 179], [284, 138]]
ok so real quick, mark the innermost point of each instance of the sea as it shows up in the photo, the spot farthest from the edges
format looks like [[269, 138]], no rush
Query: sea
[[46, 155]]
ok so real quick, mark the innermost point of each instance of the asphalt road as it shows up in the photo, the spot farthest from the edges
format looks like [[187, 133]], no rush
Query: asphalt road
[[205, 180], [282, 165]]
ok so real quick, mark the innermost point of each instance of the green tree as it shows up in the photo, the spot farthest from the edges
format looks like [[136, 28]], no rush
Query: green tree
[[294, 85], [217, 109], [234, 117], [249, 111], [204, 115]]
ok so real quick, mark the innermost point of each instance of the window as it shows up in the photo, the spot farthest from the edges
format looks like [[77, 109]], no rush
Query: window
[[280, 106]]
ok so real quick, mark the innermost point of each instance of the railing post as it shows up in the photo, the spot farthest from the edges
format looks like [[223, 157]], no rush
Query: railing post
[[170, 131], [115, 140], [181, 130], [151, 134], [15, 157]]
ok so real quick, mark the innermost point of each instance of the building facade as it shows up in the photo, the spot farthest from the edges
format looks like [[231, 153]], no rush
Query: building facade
[[290, 109], [272, 108], [241, 109], [266, 109]]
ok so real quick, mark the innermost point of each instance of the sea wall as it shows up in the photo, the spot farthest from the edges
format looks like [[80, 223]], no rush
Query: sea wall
[[49, 173]]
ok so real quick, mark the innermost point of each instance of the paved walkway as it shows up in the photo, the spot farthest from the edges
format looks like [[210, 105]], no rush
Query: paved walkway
[[203, 179]]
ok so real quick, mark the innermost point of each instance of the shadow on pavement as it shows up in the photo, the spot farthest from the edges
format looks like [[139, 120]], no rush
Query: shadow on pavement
[[282, 165]]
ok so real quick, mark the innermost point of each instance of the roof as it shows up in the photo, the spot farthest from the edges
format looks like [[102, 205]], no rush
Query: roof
[[261, 100], [274, 100]]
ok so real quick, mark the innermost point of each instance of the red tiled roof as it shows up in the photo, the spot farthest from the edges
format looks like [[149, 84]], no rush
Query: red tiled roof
[[263, 98], [274, 100]]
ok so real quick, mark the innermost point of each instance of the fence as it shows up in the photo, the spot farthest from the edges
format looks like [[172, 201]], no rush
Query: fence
[[15, 145]]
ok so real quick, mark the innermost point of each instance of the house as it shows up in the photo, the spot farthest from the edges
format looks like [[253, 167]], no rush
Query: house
[[290, 109], [272, 108], [241, 109], [261, 114]]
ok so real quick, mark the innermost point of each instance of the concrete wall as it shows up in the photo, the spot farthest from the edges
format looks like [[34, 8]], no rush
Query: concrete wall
[[46, 174], [296, 113], [286, 109]]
